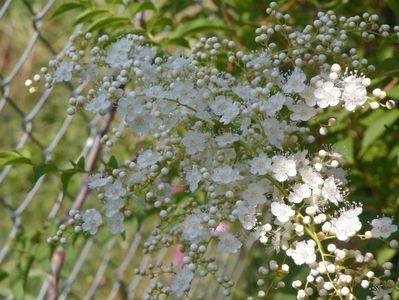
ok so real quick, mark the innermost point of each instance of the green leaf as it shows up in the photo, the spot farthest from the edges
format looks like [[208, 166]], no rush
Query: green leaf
[[394, 5], [69, 6], [107, 21], [346, 148], [67, 174], [389, 66], [81, 163], [113, 163], [66, 177], [136, 8], [29, 263], [198, 26], [41, 169], [176, 41], [16, 283], [13, 158], [393, 92], [158, 24], [377, 128], [87, 15], [385, 254], [3, 274]]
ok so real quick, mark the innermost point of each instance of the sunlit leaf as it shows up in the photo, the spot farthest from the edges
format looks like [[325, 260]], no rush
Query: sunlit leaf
[[107, 21]]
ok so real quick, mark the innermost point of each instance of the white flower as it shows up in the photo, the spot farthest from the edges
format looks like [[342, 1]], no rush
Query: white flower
[[118, 55], [179, 63], [283, 168], [195, 232], [195, 142], [302, 112], [282, 211], [193, 177], [347, 224], [304, 252], [354, 93], [277, 241], [262, 233], [146, 52], [311, 177], [338, 173], [308, 96], [113, 206], [274, 104], [98, 181], [299, 192], [274, 131], [295, 82], [261, 58], [182, 282], [380, 292], [91, 73], [148, 159], [115, 191], [184, 92], [254, 194], [244, 92], [130, 106], [63, 72], [327, 94], [115, 223], [228, 243], [99, 104], [137, 176], [330, 191], [383, 227], [247, 215], [225, 108], [140, 122], [91, 221], [260, 165], [138, 119], [226, 175], [226, 139]]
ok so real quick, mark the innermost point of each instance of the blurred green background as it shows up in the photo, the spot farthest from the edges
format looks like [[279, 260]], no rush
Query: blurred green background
[[369, 140]]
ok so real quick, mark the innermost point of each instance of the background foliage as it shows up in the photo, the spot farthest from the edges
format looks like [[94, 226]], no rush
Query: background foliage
[[368, 141]]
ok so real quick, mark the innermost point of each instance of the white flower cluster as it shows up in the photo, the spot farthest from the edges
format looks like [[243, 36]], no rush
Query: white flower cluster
[[236, 143]]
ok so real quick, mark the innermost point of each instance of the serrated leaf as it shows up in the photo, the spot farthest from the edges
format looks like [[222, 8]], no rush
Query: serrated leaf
[[177, 41], [67, 7], [87, 15], [41, 169], [198, 26], [157, 24], [377, 128], [107, 21], [136, 8], [13, 158]]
